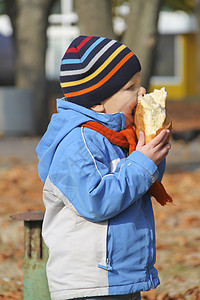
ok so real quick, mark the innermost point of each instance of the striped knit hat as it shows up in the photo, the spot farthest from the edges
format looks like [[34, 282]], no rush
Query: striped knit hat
[[94, 68]]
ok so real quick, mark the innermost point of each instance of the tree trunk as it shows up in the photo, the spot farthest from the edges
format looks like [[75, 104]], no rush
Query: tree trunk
[[141, 34], [31, 25], [95, 17]]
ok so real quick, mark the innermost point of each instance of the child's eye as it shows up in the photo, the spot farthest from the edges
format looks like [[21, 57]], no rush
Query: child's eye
[[131, 87]]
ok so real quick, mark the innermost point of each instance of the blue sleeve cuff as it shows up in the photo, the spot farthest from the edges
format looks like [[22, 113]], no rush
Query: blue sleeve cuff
[[146, 163]]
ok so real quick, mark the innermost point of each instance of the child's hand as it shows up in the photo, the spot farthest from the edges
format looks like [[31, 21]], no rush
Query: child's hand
[[156, 149]]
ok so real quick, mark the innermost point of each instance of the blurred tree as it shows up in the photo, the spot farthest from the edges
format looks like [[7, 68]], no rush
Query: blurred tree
[[30, 20], [95, 17], [141, 34]]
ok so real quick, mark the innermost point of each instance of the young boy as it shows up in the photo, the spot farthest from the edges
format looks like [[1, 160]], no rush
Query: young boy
[[99, 223]]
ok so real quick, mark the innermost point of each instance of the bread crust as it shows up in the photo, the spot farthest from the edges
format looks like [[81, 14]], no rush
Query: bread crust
[[139, 120], [140, 125]]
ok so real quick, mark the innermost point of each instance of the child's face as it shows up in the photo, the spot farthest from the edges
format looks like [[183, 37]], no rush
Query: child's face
[[124, 100]]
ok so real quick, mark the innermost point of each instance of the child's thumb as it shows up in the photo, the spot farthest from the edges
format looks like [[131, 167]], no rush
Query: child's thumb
[[141, 141]]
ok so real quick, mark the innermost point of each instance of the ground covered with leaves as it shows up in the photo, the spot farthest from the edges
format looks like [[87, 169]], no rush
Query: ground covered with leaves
[[177, 226]]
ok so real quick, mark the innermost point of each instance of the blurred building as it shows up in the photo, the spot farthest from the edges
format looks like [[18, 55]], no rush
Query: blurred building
[[176, 57]]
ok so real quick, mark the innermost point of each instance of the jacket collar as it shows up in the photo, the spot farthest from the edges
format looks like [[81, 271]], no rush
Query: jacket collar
[[114, 121]]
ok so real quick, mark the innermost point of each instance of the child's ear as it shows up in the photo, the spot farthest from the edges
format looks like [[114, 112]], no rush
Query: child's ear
[[99, 108]]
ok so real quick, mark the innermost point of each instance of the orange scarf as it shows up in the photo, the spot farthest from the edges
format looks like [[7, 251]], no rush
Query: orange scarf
[[126, 138]]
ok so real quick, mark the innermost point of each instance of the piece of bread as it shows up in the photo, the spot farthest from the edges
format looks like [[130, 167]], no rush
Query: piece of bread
[[151, 115]]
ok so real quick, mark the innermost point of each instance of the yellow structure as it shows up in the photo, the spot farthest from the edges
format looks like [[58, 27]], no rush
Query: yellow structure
[[181, 83]]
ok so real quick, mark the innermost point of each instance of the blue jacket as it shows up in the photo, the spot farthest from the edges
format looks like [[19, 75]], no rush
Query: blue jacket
[[99, 224]]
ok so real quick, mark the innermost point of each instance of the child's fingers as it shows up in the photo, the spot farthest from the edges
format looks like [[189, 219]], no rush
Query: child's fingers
[[161, 138], [164, 142], [158, 155], [157, 149], [165, 150]]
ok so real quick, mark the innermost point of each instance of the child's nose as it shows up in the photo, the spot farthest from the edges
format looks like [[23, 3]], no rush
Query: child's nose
[[141, 91]]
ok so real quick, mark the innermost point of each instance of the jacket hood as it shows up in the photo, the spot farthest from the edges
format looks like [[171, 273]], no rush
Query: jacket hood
[[68, 117]]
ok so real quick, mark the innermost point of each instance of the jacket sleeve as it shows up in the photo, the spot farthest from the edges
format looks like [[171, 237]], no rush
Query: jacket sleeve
[[84, 178], [161, 169]]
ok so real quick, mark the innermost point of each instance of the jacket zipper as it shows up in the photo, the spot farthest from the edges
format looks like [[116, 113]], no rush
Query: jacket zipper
[[107, 265]]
